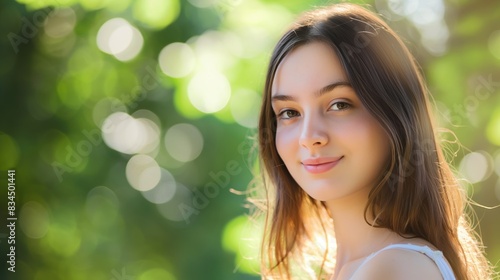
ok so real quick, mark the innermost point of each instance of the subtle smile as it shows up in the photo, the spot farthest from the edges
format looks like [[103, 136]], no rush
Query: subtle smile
[[320, 165]]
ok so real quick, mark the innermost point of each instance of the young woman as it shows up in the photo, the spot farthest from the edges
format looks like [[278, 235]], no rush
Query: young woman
[[352, 162]]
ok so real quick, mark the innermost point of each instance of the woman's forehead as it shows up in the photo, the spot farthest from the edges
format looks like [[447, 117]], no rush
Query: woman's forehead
[[308, 68]]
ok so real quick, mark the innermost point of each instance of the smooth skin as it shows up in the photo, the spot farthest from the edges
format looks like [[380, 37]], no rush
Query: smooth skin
[[335, 150]]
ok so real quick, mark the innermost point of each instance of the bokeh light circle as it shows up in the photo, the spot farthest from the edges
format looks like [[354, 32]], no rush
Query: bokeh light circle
[[177, 60], [152, 136], [156, 14], [476, 166], [123, 133], [60, 22], [106, 107], [34, 219], [101, 206], [180, 207], [427, 12], [244, 103], [497, 162], [402, 7], [184, 142], [214, 50], [120, 39], [143, 172], [164, 190], [129, 135], [209, 91]]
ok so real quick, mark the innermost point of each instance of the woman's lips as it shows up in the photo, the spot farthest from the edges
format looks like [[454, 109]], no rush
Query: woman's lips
[[320, 165]]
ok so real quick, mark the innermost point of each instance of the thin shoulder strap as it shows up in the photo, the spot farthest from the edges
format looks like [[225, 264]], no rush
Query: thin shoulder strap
[[436, 256]]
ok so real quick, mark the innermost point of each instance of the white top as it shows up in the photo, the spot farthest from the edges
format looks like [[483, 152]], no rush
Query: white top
[[436, 256]]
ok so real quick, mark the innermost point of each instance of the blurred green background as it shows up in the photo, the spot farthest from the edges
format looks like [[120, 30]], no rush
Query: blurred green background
[[130, 126]]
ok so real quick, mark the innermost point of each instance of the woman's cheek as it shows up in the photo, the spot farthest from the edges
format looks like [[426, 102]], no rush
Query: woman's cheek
[[280, 140], [285, 141]]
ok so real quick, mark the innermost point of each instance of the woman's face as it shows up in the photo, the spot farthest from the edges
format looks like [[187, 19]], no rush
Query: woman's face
[[331, 145]]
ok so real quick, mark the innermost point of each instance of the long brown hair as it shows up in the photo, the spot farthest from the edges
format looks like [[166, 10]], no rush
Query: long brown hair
[[417, 194]]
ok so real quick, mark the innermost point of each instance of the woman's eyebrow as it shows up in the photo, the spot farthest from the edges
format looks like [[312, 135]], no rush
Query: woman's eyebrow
[[332, 86], [322, 91]]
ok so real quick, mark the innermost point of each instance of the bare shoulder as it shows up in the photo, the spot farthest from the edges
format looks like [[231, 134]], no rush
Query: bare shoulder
[[398, 264]]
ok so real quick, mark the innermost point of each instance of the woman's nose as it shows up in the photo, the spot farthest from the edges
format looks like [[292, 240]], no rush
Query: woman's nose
[[314, 133]]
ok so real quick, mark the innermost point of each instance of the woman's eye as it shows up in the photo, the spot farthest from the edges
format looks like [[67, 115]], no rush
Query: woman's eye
[[339, 106], [288, 114]]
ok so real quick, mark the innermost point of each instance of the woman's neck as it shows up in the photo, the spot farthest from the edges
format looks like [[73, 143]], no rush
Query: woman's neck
[[354, 236]]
